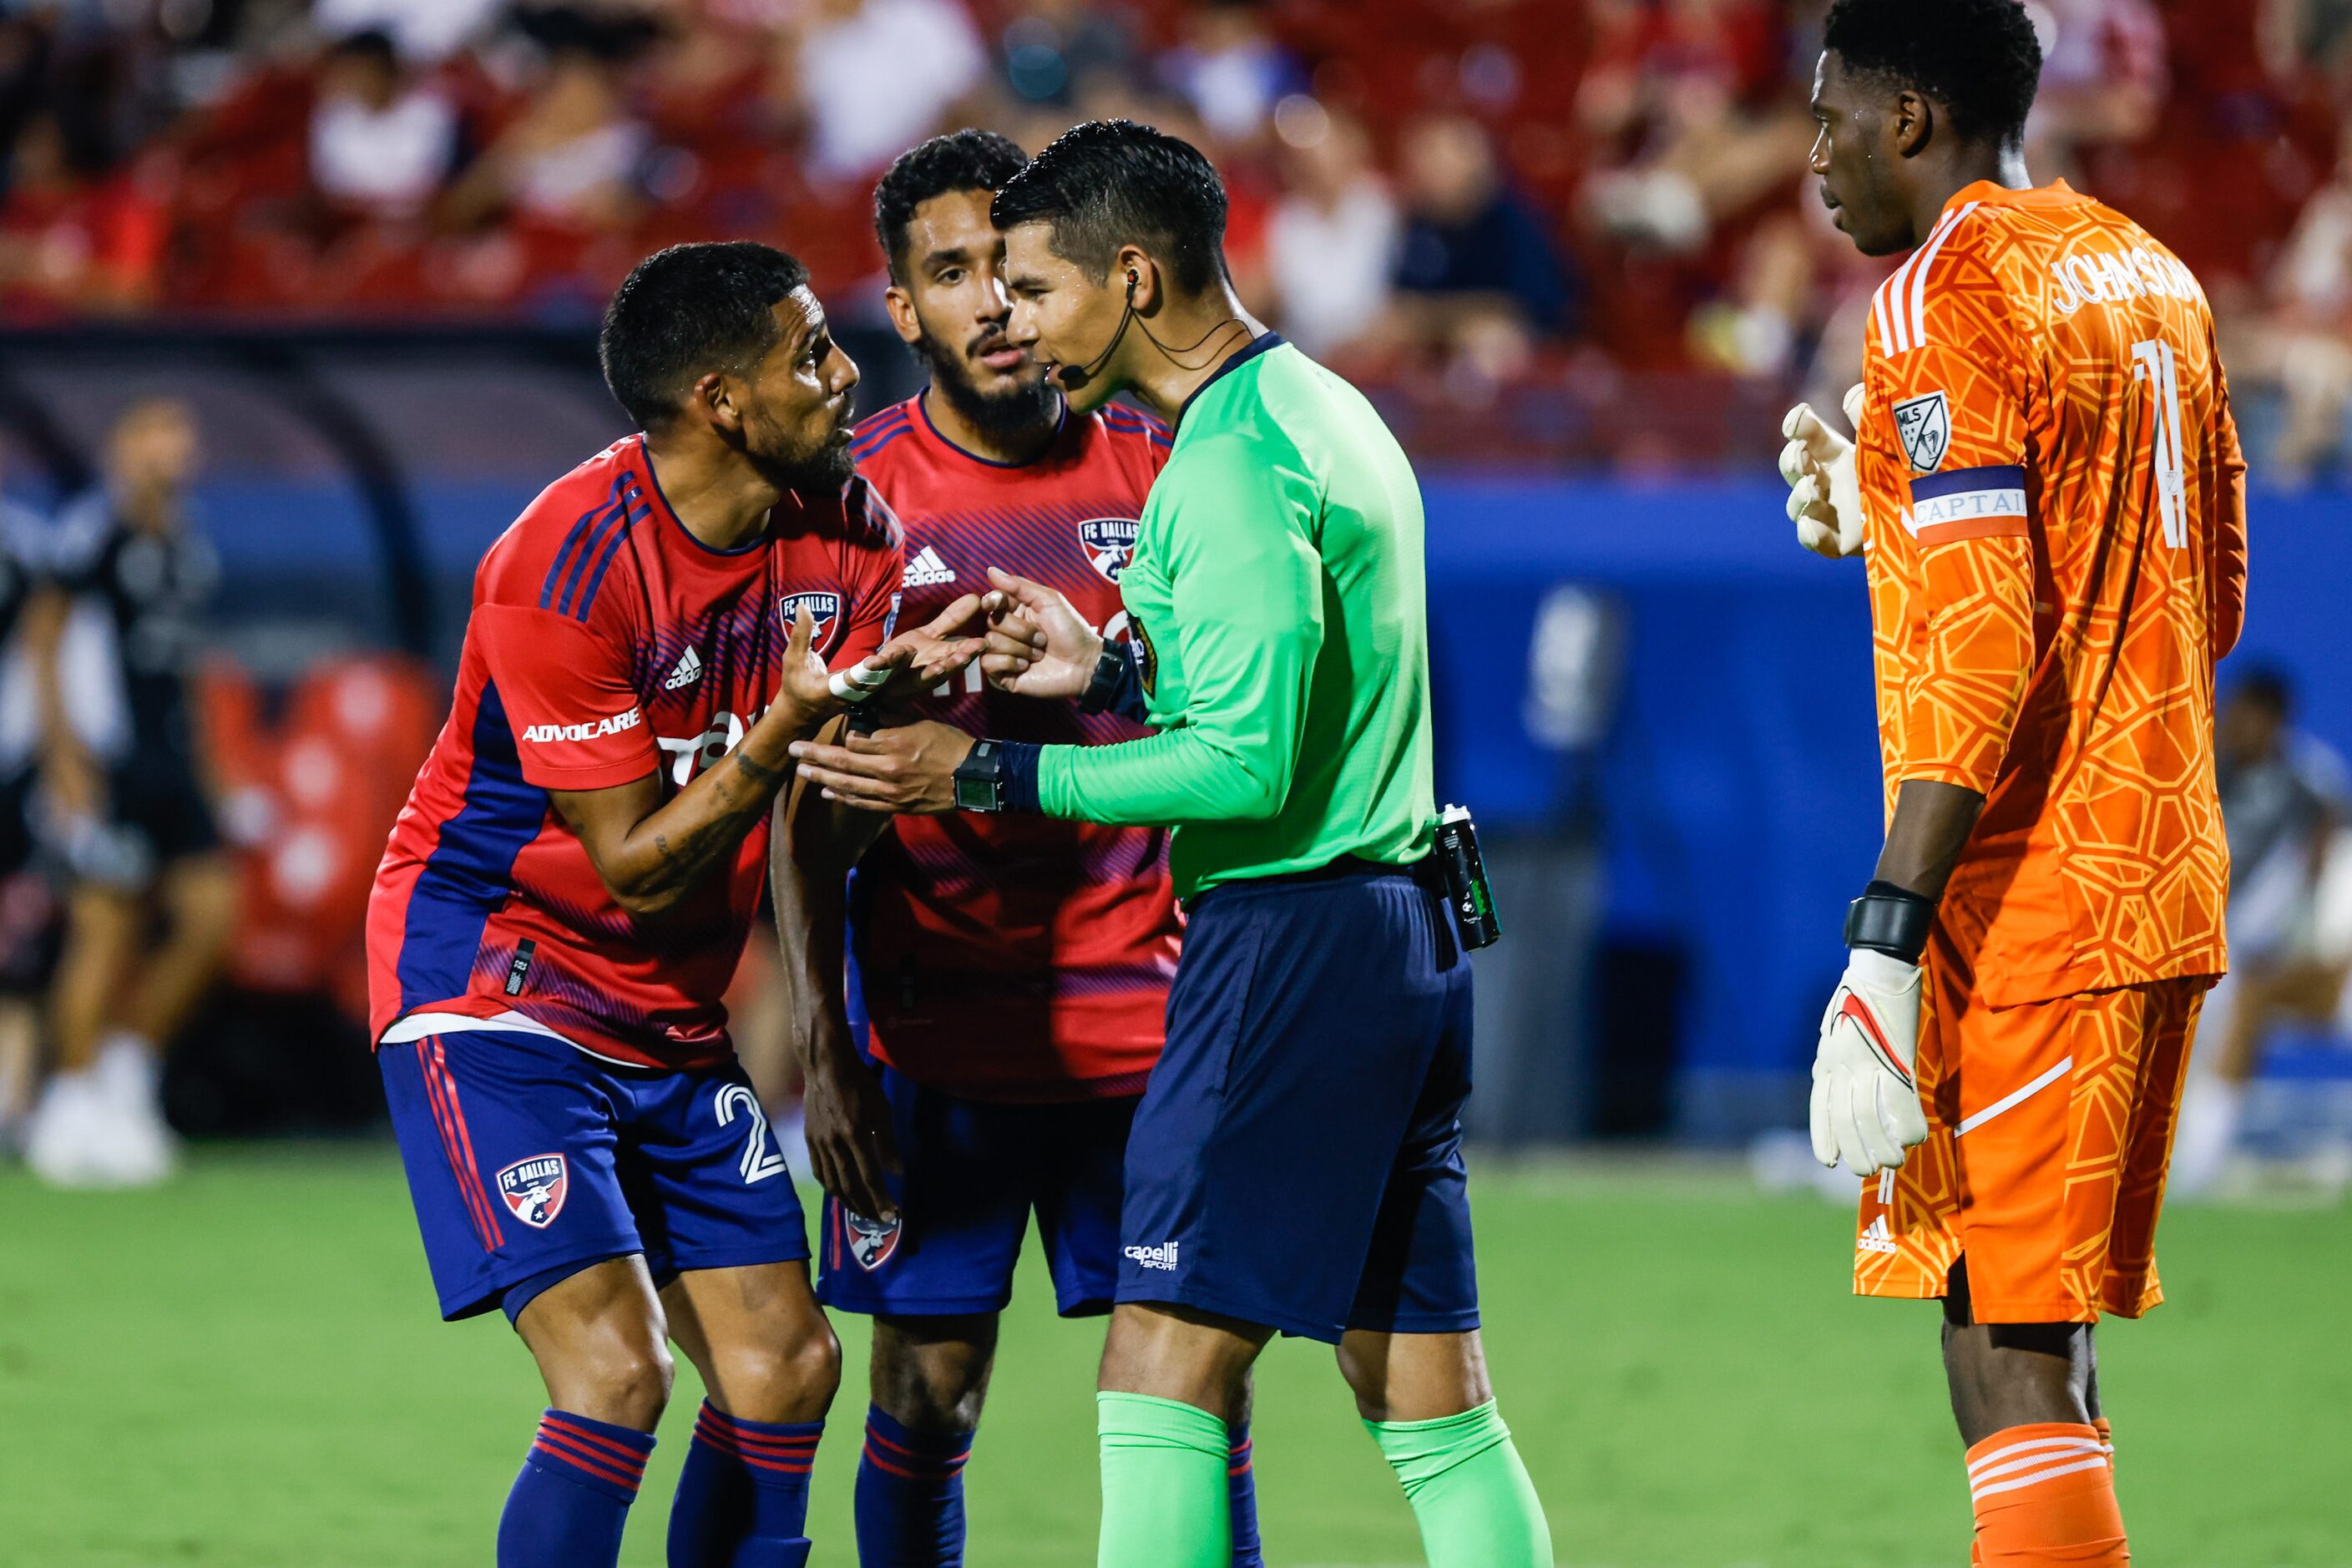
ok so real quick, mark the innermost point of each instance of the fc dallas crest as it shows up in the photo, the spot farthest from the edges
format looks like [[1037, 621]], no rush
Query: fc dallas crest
[[1109, 541], [534, 1189], [823, 608], [871, 1241]]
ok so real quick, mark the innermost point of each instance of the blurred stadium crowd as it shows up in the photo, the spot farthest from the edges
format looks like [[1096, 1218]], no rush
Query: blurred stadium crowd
[[1563, 208], [1550, 236]]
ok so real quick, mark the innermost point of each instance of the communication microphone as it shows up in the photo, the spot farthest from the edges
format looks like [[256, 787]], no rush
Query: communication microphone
[[1073, 377]]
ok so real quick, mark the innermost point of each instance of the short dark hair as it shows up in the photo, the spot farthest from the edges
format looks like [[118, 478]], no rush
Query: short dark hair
[[372, 45], [966, 160], [1108, 182], [1979, 58], [686, 312]]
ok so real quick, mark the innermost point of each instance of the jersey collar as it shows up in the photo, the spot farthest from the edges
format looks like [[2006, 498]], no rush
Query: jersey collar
[[2056, 194], [1052, 453], [1256, 346]]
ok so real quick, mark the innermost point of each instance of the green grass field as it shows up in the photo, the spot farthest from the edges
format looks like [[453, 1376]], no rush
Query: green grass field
[[245, 1368]]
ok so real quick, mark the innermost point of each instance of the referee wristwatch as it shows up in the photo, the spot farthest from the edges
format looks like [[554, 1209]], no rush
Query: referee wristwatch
[[981, 779]]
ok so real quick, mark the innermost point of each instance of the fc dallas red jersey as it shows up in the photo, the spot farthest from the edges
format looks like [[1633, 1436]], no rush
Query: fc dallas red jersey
[[1016, 957], [607, 643]]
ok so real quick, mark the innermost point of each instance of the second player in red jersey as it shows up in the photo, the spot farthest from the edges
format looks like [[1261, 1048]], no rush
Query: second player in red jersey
[[1005, 957], [1011, 971]]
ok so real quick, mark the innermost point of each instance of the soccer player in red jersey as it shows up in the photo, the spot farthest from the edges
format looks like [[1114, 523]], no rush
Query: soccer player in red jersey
[[567, 893], [1010, 974]]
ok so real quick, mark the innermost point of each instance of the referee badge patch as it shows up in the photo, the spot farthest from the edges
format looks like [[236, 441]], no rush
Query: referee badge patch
[[1924, 426]]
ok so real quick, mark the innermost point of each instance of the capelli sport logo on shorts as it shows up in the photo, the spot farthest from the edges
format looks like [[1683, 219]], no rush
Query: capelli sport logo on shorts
[[591, 729], [1160, 1257], [534, 1189]]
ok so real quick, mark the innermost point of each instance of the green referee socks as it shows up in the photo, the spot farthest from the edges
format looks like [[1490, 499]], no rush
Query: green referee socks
[[1163, 1484], [1476, 1507]]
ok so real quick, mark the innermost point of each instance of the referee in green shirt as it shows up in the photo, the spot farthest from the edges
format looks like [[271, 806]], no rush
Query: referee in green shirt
[[1295, 1164]]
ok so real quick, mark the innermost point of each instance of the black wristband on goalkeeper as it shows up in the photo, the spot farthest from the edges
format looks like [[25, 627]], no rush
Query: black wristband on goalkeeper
[[1890, 920]]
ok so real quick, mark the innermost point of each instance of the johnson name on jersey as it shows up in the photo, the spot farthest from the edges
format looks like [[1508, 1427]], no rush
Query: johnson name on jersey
[[2055, 527]]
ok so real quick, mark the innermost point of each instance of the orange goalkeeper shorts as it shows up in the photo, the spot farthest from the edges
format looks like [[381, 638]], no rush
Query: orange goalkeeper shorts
[[2048, 1127]]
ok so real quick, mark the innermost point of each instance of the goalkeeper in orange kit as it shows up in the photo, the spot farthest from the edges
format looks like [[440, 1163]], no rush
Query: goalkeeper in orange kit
[[2046, 483]]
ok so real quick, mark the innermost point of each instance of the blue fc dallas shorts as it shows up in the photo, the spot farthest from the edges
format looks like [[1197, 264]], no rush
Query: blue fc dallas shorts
[[974, 1171], [1296, 1160], [529, 1160]]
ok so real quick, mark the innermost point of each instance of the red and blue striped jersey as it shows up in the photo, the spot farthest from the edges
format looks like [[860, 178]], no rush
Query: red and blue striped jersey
[[607, 643], [1016, 958]]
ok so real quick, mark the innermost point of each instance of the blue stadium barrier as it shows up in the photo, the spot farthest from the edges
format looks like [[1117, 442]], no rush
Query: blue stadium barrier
[[1734, 780]]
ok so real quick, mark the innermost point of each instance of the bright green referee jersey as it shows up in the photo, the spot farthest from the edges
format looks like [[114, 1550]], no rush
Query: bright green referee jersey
[[1276, 594]]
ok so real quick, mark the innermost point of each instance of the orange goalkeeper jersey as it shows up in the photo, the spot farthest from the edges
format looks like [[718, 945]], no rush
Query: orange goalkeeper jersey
[[2055, 515]]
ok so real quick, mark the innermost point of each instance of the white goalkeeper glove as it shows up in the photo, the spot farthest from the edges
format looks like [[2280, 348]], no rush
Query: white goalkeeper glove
[[1824, 495], [1865, 1107]]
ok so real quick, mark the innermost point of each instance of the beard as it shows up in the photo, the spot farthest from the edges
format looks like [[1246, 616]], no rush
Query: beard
[[810, 470], [1021, 409]]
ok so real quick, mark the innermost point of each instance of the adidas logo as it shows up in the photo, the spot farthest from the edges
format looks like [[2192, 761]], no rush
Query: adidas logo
[[688, 671], [1875, 1238], [927, 570]]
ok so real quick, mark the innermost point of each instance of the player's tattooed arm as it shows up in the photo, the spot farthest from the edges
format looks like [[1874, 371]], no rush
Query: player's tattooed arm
[[652, 854]]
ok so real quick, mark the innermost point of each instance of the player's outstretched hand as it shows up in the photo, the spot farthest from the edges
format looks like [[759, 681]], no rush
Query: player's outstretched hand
[[1038, 644], [847, 1122], [935, 651], [908, 768], [1865, 1105], [1824, 494], [906, 664]]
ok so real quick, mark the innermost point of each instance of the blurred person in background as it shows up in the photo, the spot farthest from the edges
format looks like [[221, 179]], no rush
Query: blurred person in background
[[1331, 244], [1688, 104], [1051, 52], [2302, 344], [382, 138], [571, 159], [877, 75], [135, 818], [1231, 70], [27, 903], [80, 232], [1478, 272], [425, 31], [2286, 805], [2104, 79]]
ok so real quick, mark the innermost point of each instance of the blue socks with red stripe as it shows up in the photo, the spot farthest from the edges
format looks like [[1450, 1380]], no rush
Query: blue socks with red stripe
[[742, 1498], [569, 1504], [910, 1496], [1240, 1498]]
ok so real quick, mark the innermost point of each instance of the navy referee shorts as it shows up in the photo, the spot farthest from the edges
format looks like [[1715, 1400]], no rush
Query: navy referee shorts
[[1296, 1159]]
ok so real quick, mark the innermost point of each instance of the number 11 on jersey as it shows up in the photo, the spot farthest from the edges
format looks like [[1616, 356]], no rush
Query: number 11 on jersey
[[2152, 362]]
